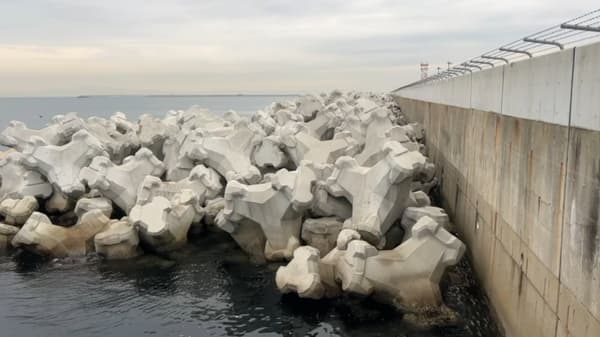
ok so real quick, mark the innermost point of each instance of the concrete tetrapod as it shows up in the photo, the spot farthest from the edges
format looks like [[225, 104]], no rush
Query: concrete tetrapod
[[197, 118], [407, 276], [85, 205], [17, 211], [353, 125], [16, 135], [301, 275], [321, 233], [325, 204], [163, 224], [378, 194], [323, 124], [175, 149], [152, 133], [118, 241], [375, 127], [61, 165], [7, 233], [120, 183], [123, 124], [170, 150], [40, 236], [308, 106], [230, 155], [303, 146], [58, 202], [379, 130], [269, 154], [118, 145], [19, 181], [412, 215], [265, 120], [202, 181], [301, 182], [212, 209], [266, 207], [59, 132]]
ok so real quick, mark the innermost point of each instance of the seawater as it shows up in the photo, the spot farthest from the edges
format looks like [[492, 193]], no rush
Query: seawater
[[36, 112], [208, 288]]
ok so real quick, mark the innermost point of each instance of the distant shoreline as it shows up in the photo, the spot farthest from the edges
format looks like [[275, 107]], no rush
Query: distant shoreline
[[159, 95]]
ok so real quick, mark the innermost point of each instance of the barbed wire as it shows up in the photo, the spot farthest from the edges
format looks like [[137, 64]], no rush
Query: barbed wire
[[581, 30]]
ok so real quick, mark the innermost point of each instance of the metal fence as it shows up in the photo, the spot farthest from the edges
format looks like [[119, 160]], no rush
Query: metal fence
[[578, 31]]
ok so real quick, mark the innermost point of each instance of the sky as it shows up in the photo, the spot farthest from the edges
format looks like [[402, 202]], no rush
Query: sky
[[78, 47]]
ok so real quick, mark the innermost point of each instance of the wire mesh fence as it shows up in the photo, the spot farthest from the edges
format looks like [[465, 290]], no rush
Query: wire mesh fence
[[581, 30]]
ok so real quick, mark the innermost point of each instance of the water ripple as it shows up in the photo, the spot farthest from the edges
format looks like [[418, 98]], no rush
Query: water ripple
[[207, 289]]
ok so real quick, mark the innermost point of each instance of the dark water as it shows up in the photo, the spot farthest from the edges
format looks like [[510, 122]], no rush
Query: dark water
[[37, 111], [207, 289]]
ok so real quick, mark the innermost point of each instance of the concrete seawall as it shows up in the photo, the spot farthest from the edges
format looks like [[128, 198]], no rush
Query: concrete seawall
[[518, 154]]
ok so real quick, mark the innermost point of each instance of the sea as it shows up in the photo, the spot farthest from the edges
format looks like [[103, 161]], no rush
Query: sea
[[208, 288]]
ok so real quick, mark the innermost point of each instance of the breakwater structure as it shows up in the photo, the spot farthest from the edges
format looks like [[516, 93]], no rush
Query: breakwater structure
[[515, 136], [334, 186]]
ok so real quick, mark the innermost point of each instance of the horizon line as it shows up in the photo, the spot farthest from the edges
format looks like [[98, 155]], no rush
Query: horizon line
[[156, 95]]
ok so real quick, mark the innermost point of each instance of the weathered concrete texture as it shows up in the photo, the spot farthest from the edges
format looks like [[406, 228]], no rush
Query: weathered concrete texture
[[85, 205], [308, 106], [321, 233], [17, 211], [301, 275], [325, 205], [498, 186], [16, 135], [580, 263], [59, 132], [580, 267], [58, 202], [118, 145], [18, 181], [171, 148], [268, 153], [42, 237], [377, 125], [323, 124], [229, 155], [303, 146], [378, 194], [202, 184], [268, 206], [522, 186], [407, 276], [212, 209], [61, 164], [118, 241], [412, 215], [540, 88], [120, 183], [163, 224], [152, 133], [7, 233], [301, 183]]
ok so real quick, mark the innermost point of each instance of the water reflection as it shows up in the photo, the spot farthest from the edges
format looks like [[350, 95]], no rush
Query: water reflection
[[207, 289]]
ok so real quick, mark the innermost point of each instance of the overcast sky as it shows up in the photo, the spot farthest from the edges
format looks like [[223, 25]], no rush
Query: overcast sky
[[74, 47]]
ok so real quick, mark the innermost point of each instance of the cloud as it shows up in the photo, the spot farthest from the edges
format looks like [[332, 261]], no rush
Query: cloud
[[71, 47]]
